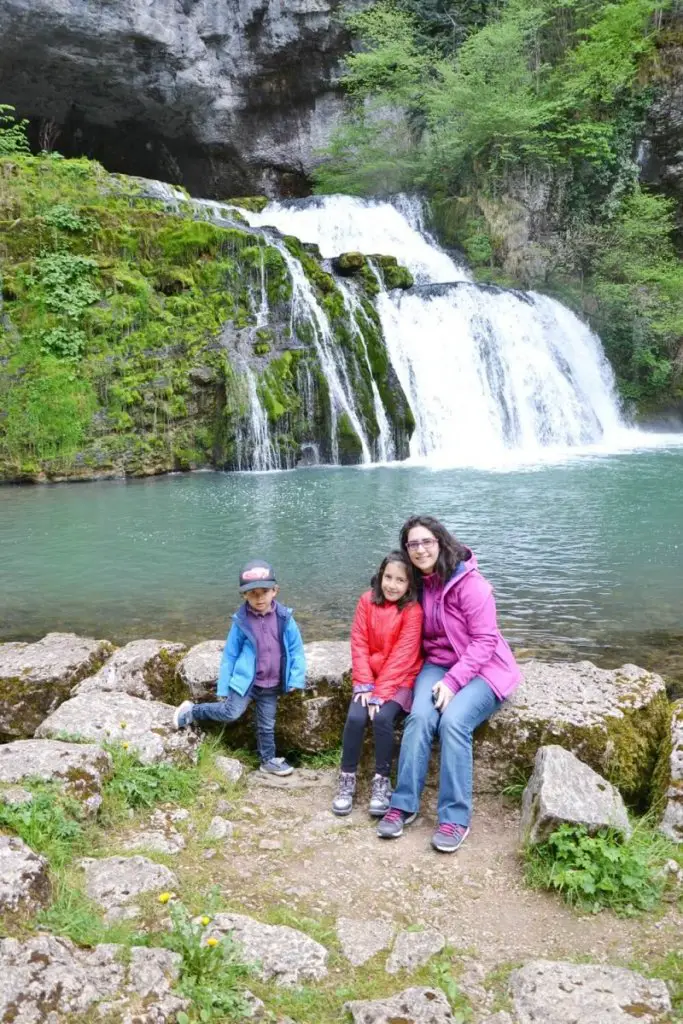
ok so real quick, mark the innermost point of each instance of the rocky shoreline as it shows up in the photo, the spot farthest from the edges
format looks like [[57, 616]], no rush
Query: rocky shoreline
[[72, 707]]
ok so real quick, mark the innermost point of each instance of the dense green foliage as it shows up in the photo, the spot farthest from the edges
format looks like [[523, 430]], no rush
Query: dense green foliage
[[519, 122], [604, 870]]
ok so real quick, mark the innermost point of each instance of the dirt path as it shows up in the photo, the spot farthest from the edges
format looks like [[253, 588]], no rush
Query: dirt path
[[477, 898]]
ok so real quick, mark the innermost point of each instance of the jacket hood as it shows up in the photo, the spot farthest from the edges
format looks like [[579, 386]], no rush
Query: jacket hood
[[462, 569]]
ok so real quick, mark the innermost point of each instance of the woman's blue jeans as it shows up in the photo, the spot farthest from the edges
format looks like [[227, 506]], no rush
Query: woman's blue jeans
[[232, 707], [469, 708]]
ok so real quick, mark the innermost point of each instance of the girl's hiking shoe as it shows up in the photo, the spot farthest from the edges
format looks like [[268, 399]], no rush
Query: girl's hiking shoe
[[276, 766], [449, 837], [391, 825], [380, 801], [343, 801], [182, 716]]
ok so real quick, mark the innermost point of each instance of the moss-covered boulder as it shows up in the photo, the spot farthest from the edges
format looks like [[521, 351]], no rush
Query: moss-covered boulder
[[349, 263], [79, 768], [143, 668], [36, 678], [671, 775], [613, 720], [198, 669], [393, 273]]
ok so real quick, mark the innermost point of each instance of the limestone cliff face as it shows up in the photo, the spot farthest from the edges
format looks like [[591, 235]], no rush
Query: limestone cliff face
[[226, 97]]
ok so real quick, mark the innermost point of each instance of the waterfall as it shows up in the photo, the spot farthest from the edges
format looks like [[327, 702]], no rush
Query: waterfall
[[487, 372], [262, 453]]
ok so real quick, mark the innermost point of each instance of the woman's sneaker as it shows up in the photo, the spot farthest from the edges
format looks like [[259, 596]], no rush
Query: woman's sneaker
[[343, 801], [182, 716], [449, 837], [380, 801], [276, 766], [391, 825]]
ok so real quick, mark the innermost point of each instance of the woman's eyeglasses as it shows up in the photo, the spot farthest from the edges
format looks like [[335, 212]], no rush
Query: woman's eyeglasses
[[428, 542]]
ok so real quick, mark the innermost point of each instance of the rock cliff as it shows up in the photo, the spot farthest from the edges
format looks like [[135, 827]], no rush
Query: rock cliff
[[225, 98]]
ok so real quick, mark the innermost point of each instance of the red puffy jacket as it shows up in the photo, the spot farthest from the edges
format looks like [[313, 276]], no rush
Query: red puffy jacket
[[386, 646]]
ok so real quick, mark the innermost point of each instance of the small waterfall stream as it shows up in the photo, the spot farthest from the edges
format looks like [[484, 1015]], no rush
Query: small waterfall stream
[[487, 371]]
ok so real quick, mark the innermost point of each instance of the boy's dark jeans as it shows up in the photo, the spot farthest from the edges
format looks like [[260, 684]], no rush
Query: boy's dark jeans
[[233, 707]]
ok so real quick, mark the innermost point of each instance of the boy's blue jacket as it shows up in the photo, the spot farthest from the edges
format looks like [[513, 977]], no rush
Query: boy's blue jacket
[[240, 654]]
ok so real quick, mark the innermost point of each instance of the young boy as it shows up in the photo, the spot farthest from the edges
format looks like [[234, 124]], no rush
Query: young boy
[[263, 656]]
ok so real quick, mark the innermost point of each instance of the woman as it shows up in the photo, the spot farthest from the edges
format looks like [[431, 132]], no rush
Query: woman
[[469, 670]]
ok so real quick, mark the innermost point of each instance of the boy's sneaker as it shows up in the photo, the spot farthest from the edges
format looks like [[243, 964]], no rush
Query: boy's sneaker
[[343, 801], [391, 825], [276, 766], [182, 716], [449, 837], [380, 801]]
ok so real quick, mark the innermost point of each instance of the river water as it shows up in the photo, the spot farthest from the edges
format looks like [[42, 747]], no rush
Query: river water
[[586, 555]]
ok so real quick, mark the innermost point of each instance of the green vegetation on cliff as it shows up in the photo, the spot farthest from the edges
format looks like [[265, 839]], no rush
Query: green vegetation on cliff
[[520, 122], [128, 327]]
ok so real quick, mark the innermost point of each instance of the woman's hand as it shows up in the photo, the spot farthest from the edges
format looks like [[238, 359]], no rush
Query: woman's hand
[[443, 695]]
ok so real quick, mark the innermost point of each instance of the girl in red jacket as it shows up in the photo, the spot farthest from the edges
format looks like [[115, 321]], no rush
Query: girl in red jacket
[[386, 646]]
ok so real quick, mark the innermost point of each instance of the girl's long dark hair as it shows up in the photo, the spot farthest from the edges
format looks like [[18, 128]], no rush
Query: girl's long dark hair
[[376, 581], [451, 551]]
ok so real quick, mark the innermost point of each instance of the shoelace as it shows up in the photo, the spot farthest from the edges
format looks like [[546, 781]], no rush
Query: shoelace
[[393, 815], [449, 829]]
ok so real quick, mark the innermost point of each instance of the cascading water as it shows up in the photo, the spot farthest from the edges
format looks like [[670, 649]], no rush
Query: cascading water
[[486, 371]]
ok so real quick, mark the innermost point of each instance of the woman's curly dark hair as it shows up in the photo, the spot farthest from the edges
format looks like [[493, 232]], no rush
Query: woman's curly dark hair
[[376, 581], [451, 551]]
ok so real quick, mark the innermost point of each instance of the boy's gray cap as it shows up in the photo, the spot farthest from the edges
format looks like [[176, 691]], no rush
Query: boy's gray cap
[[255, 574]]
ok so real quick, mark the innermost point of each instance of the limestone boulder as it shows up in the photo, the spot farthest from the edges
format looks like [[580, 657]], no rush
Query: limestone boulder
[[412, 1006], [50, 979], [614, 720], [145, 725], [672, 772], [566, 993], [115, 881], [230, 768], [143, 668], [414, 949], [280, 953], [361, 940], [198, 669], [313, 720], [24, 880], [563, 789], [36, 678], [80, 768]]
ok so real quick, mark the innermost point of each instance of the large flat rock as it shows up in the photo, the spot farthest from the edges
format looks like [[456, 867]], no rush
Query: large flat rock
[[115, 881], [412, 1006], [146, 725], [143, 668], [672, 768], [80, 768], [564, 790], [613, 720], [50, 979], [24, 880], [565, 993], [283, 954], [36, 678]]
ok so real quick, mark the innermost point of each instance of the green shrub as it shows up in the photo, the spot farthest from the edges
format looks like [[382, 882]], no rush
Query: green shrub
[[601, 871], [12, 132]]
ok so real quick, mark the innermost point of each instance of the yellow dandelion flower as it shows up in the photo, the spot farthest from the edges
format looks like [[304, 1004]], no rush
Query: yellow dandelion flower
[[122, 725], [212, 942], [125, 744], [206, 920], [164, 897]]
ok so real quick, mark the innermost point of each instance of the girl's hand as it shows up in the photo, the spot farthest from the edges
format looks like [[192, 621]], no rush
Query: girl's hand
[[374, 708], [362, 698], [442, 696]]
